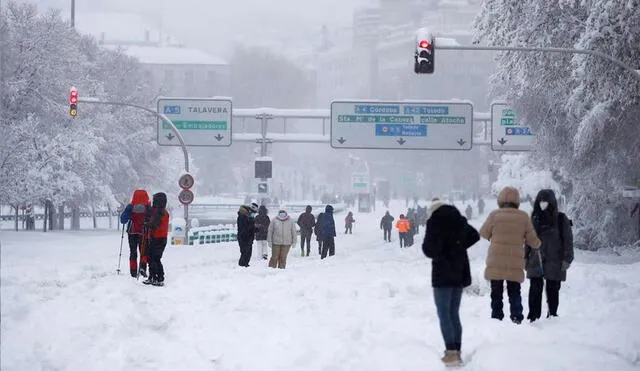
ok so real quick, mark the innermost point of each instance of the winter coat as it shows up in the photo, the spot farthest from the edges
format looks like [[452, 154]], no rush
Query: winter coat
[[348, 221], [328, 224], [246, 225], [262, 222], [282, 231], [387, 221], [318, 227], [159, 217], [306, 220], [446, 242], [135, 213], [508, 229], [403, 225], [554, 229]]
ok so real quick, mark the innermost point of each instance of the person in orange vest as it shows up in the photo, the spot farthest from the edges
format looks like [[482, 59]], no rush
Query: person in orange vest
[[158, 231], [403, 225]]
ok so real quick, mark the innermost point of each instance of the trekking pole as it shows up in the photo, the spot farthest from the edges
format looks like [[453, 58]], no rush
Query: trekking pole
[[120, 255], [540, 261]]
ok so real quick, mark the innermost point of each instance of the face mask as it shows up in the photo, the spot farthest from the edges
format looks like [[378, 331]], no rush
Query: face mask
[[544, 205], [282, 215]]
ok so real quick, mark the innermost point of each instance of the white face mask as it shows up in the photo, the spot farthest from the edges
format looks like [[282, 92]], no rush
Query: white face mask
[[544, 205]]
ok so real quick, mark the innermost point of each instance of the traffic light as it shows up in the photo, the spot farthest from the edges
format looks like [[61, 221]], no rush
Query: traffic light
[[73, 102], [424, 58]]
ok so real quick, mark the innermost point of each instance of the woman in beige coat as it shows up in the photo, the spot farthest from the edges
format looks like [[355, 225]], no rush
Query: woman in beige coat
[[281, 236], [508, 229]]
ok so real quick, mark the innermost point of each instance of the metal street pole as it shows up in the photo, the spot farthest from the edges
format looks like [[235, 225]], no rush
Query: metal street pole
[[594, 53], [166, 120], [73, 13], [263, 117]]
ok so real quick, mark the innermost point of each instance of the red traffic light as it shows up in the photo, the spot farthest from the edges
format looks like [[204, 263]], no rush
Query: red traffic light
[[425, 44], [73, 96]]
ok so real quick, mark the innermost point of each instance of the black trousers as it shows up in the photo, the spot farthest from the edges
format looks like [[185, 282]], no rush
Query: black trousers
[[156, 249], [246, 248], [535, 297], [305, 237], [403, 239], [348, 229], [319, 247], [515, 300], [135, 244], [328, 246], [387, 234]]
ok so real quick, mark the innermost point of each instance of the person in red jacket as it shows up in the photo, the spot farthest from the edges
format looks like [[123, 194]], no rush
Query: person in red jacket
[[134, 216], [158, 229]]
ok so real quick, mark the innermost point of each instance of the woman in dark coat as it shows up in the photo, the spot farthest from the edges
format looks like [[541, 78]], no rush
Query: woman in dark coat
[[550, 263], [446, 241], [262, 226], [317, 229]]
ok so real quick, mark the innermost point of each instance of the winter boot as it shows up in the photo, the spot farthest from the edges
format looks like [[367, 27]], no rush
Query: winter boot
[[149, 281], [516, 320], [451, 358], [157, 283], [143, 272]]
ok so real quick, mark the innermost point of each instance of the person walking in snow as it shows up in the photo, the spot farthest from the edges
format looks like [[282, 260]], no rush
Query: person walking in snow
[[446, 241], [547, 267], [262, 227], [468, 211], [134, 216], [306, 222], [317, 229], [282, 236], [386, 224], [348, 223], [328, 233], [403, 227], [480, 206], [246, 232], [158, 231], [508, 229]]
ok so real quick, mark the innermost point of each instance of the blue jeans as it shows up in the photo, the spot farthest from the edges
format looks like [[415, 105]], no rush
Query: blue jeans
[[448, 305], [515, 300]]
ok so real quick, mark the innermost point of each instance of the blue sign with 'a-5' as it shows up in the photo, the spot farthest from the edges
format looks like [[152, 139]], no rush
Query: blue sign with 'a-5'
[[404, 130], [171, 110]]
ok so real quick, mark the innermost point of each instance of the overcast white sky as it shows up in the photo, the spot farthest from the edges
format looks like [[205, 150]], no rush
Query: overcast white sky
[[217, 23]]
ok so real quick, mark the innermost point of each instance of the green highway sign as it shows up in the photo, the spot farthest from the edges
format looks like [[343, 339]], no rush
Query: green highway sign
[[507, 132], [202, 122]]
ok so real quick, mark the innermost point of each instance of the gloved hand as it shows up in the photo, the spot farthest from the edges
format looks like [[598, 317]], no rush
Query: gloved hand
[[565, 265]]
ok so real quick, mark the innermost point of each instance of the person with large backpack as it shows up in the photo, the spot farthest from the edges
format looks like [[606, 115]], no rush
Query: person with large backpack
[[548, 265], [134, 215], [157, 231]]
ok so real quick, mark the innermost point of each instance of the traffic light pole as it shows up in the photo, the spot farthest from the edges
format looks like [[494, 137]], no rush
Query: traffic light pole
[[594, 53], [166, 120]]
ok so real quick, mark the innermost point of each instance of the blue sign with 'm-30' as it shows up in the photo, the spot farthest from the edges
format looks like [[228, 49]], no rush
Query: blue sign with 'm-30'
[[171, 110], [404, 130]]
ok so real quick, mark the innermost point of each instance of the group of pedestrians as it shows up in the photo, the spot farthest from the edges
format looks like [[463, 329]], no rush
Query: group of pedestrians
[[407, 227], [540, 245], [279, 234]]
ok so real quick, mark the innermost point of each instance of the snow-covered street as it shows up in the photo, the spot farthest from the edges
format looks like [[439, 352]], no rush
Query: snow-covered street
[[368, 308]]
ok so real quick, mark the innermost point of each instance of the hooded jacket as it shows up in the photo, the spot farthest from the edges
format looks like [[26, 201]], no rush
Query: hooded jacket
[[508, 229], [328, 224], [306, 220], [554, 230], [282, 231], [318, 227], [446, 241], [134, 213], [246, 227], [262, 223], [159, 217]]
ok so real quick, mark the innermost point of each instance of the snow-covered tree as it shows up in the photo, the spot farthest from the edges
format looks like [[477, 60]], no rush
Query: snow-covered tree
[[98, 157], [584, 109]]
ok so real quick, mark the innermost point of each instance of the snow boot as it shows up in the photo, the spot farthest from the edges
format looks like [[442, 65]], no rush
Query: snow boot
[[149, 281], [516, 320], [143, 272], [157, 283], [451, 358]]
